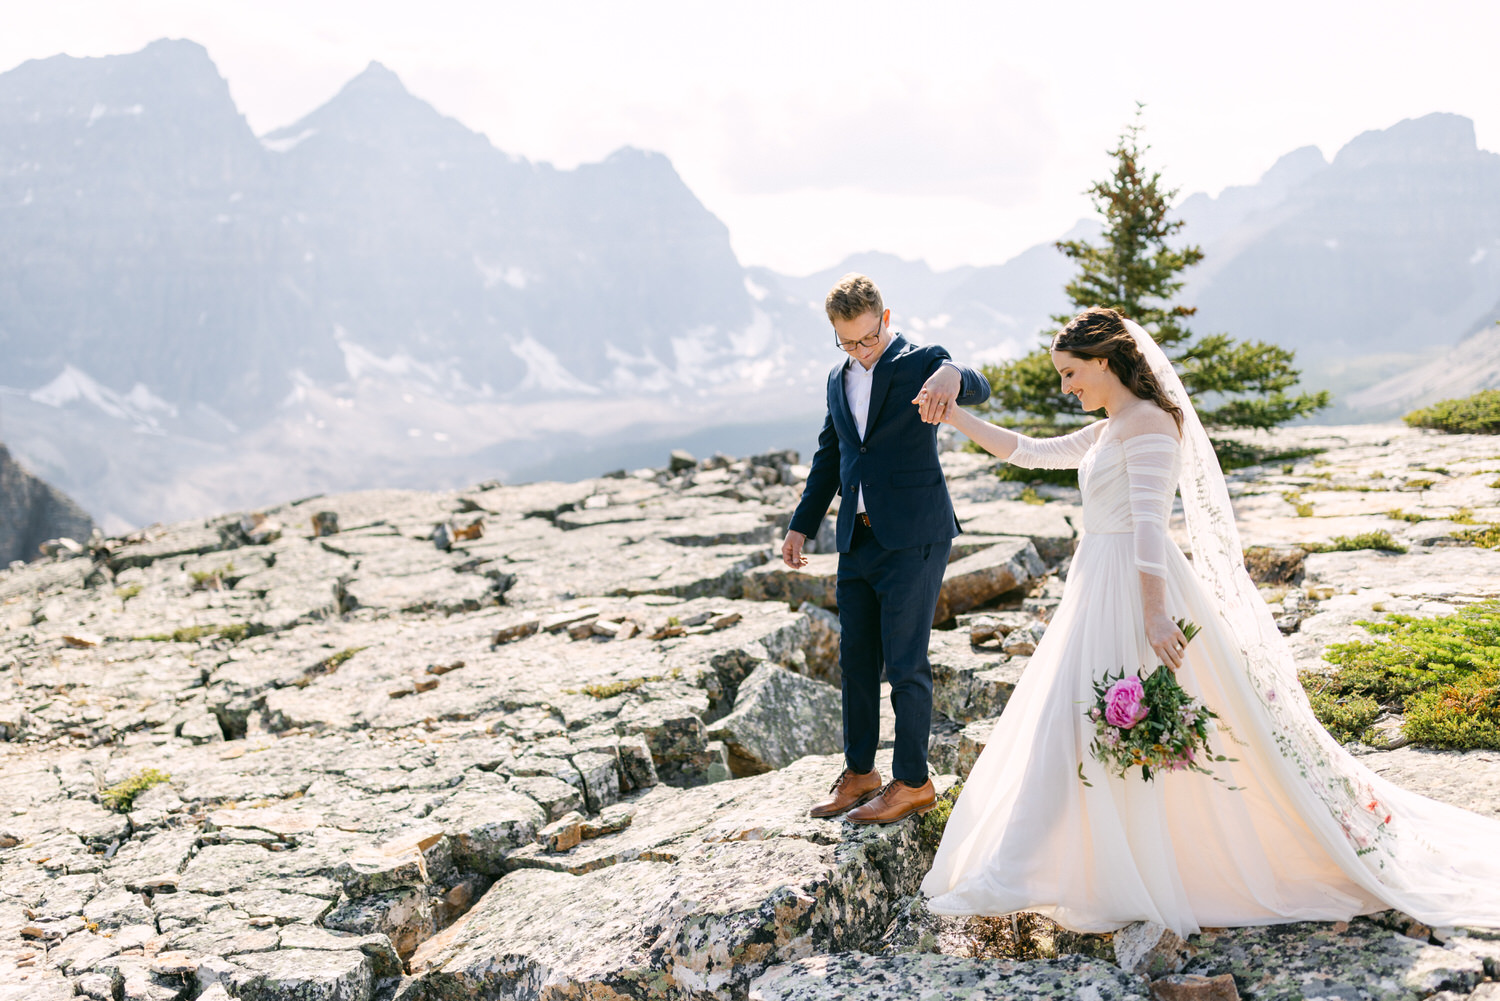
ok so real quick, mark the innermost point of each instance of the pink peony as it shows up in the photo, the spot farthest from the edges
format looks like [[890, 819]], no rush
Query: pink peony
[[1124, 707]]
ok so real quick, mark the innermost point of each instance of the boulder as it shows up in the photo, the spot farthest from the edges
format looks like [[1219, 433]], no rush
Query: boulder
[[1047, 526], [405, 916], [487, 821], [683, 898], [815, 583], [970, 684], [303, 975], [1009, 565], [1149, 950], [779, 716]]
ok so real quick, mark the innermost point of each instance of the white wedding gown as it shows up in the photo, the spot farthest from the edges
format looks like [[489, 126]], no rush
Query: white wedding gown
[[1310, 834]]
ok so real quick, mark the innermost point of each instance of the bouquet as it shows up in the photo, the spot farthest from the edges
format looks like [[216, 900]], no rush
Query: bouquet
[[1152, 723]]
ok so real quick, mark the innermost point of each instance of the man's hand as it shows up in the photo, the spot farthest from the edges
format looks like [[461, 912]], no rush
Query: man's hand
[[938, 394], [791, 550]]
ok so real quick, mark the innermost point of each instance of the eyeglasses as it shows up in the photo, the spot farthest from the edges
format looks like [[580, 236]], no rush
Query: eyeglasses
[[868, 341]]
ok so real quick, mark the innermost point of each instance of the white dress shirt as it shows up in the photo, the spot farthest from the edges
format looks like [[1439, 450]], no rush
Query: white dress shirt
[[858, 382]]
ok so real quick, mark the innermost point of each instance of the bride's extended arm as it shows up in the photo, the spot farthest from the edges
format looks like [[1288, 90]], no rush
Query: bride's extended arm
[[1063, 452], [996, 440]]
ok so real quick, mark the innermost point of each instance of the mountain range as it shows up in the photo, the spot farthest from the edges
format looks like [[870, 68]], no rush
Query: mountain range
[[195, 318]]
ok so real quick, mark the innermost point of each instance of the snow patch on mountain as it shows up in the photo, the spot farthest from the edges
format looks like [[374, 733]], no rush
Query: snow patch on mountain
[[544, 373], [139, 406], [286, 144], [360, 361]]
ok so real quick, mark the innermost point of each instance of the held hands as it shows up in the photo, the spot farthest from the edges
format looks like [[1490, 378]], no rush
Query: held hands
[[791, 550], [1166, 638], [936, 400]]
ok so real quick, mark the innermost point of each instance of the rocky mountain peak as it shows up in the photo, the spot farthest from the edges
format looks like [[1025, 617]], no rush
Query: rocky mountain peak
[[1295, 167], [374, 110], [1431, 139]]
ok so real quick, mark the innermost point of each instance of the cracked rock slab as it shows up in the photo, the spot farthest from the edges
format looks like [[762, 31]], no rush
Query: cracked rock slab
[[706, 889], [929, 977], [1360, 961], [303, 975]]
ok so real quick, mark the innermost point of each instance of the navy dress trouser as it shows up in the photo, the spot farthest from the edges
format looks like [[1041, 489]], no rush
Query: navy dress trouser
[[886, 599]]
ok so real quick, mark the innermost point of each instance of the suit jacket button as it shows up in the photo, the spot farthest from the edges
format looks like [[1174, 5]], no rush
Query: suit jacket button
[[862, 450]]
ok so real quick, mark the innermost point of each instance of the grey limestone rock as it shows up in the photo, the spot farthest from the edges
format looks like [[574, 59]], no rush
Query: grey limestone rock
[[944, 978], [1148, 949], [1008, 565], [1048, 526], [303, 975], [1360, 959], [487, 822], [779, 716], [814, 583]]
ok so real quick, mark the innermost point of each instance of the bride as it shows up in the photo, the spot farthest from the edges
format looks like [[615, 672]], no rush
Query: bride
[[1298, 830]]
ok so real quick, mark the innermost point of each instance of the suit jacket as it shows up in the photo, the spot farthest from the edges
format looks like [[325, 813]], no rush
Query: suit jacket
[[896, 462]]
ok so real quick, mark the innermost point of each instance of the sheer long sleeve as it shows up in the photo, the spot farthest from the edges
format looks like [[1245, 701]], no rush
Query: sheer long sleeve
[[1151, 465], [1063, 452]]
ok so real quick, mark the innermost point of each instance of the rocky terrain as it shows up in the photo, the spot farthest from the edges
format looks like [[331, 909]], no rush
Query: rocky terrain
[[558, 741]]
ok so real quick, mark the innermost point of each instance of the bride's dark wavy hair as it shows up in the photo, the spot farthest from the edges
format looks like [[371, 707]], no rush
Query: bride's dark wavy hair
[[1099, 332]]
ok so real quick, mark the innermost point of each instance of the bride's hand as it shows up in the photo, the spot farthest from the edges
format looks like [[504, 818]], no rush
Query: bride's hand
[[1166, 639], [941, 413]]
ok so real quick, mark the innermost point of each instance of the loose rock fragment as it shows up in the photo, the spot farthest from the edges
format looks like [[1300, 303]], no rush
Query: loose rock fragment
[[1192, 987], [516, 631], [562, 834], [259, 530], [1149, 949]]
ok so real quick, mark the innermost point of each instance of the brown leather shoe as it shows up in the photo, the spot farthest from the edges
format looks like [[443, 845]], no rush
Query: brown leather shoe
[[849, 790], [896, 801]]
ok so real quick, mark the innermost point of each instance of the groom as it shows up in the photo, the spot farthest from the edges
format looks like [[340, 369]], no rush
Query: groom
[[895, 527]]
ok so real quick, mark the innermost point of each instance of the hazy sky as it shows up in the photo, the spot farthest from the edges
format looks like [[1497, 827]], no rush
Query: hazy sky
[[956, 132]]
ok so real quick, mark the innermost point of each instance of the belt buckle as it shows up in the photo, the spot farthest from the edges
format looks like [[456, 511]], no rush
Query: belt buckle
[[863, 518]]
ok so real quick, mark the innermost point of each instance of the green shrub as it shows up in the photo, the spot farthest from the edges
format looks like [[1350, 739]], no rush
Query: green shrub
[[1294, 498], [1462, 716], [1477, 414], [1441, 673], [1409, 516], [334, 662], [930, 825], [121, 795], [1346, 717], [1051, 477], [1418, 484], [1030, 496], [1486, 536], [127, 592], [1380, 539], [234, 632]]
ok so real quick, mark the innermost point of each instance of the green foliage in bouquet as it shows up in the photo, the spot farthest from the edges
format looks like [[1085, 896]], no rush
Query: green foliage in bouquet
[[1137, 268], [1441, 673], [1477, 414], [1151, 723]]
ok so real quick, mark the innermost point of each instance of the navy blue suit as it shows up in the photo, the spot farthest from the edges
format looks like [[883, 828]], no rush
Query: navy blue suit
[[889, 573]]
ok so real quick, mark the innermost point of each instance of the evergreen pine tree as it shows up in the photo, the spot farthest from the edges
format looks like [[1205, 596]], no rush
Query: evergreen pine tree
[[1137, 268]]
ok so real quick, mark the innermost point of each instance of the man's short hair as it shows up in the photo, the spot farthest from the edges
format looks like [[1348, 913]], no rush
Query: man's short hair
[[853, 296]]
